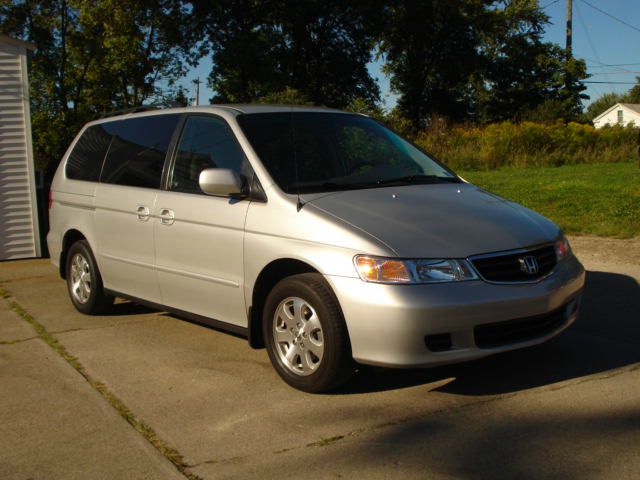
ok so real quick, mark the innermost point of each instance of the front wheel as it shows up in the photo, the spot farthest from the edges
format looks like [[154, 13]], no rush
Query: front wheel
[[305, 334], [84, 282]]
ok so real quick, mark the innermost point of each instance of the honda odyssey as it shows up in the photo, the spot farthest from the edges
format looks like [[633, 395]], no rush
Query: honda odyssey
[[321, 235]]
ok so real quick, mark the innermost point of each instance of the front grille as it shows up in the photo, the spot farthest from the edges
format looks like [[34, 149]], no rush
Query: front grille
[[507, 267], [491, 335]]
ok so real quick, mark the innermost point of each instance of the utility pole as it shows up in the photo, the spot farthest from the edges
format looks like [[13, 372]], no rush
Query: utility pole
[[569, 29], [196, 101]]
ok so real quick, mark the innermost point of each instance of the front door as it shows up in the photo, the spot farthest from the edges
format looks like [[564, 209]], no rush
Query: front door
[[199, 238]]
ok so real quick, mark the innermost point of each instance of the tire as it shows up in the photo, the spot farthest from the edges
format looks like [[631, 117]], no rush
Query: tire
[[316, 355], [84, 282]]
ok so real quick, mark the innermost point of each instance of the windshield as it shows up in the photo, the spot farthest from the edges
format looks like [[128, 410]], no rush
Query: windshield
[[317, 152]]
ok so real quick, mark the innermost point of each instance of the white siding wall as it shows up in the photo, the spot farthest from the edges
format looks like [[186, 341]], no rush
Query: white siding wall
[[19, 236], [611, 118]]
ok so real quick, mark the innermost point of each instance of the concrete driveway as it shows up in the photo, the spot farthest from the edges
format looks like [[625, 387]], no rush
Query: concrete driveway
[[143, 394]]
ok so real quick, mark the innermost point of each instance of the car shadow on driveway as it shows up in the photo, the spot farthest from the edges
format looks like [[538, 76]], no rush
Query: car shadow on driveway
[[606, 336], [126, 307]]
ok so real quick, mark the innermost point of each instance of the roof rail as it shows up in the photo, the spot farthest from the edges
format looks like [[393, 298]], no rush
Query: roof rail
[[141, 108]]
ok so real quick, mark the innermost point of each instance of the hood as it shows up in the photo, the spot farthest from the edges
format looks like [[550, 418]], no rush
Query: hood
[[437, 220]]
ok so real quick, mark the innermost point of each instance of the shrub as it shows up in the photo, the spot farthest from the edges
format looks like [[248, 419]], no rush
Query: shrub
[[528, 144]]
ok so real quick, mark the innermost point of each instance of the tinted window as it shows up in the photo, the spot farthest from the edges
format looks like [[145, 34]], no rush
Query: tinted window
[[271, 136], [206, 142], [333, 151], [137, 152], [85, 161]]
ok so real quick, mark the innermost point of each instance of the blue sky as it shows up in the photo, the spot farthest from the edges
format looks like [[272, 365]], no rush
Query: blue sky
[[597, 38]]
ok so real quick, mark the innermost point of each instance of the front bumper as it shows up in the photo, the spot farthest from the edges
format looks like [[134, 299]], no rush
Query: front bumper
[[388, 324]]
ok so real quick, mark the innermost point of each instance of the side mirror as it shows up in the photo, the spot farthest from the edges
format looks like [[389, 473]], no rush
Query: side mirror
[[221, 182]]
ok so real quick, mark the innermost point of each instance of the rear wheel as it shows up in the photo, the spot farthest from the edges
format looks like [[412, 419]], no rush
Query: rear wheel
[[84, 282], [305, 333]]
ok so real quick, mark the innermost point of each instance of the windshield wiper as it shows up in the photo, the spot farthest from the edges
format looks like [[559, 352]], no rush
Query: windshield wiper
[[317, 187], [322, 187], [418, 179], [329, 187]]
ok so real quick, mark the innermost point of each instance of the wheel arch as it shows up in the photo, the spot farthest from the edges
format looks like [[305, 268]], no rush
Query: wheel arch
[[269, 276], [70, 237]]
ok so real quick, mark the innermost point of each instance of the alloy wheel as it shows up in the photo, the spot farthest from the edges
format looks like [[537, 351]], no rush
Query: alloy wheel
[[80, 278], [298, 337]]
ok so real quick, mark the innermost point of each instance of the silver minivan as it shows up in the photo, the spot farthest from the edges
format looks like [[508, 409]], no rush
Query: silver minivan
[[321, 235]]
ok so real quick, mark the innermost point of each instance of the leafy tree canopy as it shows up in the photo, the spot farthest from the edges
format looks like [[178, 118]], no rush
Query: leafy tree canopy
[[319, 48], [94, 56], [430, 48], [480, 60], [456, 60]]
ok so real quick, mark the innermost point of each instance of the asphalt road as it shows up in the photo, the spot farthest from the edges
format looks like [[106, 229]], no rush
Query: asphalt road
[[143, 394]]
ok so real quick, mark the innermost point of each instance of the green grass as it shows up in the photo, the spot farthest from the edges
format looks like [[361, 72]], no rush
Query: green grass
[[590, 199]]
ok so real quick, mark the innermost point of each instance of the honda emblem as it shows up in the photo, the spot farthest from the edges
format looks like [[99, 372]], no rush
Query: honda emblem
[[528, 264]]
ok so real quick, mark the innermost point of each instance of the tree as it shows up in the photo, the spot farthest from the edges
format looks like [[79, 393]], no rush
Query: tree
[[239, 37], [524, 77], [602, 104], [608, 100], [548, 89], [288, 96], [93, 57], [479, 60], [317, 48], [571, 93], [431, 51], [633, 95], [176, 97]]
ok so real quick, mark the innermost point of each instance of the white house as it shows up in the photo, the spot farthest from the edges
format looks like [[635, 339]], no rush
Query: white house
[[19, 232], [625, 114]]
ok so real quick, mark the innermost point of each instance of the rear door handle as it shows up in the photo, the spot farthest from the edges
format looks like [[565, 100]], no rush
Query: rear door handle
[[143, 213], [167, 217]]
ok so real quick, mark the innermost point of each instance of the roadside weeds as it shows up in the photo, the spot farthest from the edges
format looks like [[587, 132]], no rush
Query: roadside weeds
[[140, 426]]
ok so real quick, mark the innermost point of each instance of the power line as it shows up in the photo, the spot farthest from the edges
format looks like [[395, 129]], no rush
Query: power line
[[549, 4], [602, 65], [613, 83], [616, 66], [616, 71], [628, 72], [588, 35], [591, 60], [591, 44], [610, 16]]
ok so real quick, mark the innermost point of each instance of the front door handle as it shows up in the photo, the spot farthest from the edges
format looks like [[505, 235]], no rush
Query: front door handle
[[167, 217], [143, 213]]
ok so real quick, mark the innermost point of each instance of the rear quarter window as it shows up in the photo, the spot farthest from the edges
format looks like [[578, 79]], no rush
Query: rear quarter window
[[138, 150], [85, 160]]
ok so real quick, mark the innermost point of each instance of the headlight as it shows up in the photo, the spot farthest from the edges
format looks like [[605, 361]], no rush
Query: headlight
[[563, 249], [392, 270]]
